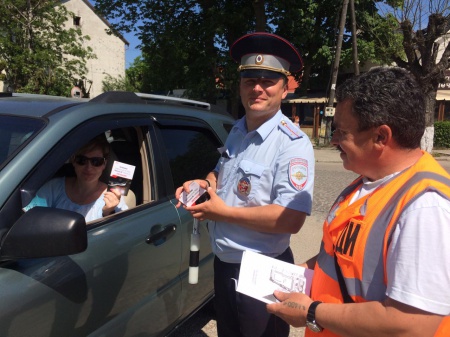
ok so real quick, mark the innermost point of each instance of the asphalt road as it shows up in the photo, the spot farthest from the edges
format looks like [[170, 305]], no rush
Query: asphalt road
[[330, 179]]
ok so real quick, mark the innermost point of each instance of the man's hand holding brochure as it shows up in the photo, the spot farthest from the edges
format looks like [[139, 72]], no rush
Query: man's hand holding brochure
[[261, 275]]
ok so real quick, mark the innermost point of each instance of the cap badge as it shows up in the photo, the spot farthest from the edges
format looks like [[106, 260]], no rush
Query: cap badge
[[259, 59], [244, 186]]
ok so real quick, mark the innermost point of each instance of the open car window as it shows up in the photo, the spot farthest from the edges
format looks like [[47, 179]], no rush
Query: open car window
[[127, 147]]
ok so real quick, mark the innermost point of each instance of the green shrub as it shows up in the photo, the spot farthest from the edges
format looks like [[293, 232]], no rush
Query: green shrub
[[441, 134]]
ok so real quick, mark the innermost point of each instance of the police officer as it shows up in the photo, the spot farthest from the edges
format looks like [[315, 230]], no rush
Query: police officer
[[262, 187]]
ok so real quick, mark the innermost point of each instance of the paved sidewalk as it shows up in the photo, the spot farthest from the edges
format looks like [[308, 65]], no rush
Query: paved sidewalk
[[442, 154], [327, 155], [331, 155]]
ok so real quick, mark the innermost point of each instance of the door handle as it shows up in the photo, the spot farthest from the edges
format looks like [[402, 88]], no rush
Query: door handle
[[159, 234]]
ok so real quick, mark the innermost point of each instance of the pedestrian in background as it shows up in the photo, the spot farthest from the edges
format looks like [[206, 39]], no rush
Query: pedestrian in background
[[262, 187], [297, 121], [383, 266]]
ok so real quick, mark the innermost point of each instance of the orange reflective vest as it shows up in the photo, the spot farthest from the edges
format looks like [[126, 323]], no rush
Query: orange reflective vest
[[359, 235]]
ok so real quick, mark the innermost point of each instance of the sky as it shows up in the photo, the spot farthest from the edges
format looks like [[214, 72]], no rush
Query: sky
[[131, 52]]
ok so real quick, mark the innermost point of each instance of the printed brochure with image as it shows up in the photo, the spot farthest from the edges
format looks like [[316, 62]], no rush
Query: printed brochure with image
[[195, 196], [121, 177], [261, 275]]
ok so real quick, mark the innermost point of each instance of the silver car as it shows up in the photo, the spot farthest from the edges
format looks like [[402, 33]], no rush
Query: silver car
[[122, 275]]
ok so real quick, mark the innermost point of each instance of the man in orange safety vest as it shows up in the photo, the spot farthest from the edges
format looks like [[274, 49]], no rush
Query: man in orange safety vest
[[384, 263]]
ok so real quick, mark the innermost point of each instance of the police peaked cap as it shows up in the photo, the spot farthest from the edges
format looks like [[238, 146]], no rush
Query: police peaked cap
[[266, 53]]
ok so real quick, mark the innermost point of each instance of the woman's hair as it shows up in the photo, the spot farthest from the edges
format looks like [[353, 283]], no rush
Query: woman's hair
[[98, 142]]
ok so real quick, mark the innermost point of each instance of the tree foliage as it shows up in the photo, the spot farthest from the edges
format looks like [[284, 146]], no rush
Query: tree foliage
[[133, 80], [312, 26], [421, 28], [39, 54], [185, 43]]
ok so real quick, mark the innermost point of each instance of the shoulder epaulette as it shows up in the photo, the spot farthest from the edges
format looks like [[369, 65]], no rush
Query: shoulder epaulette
[[290, 129]]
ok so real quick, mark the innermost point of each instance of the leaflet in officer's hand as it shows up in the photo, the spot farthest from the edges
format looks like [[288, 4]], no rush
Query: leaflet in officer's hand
[[120, 177], [196, 195], [261, 275]]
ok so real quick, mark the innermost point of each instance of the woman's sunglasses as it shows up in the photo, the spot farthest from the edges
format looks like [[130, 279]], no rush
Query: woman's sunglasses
[[95, 161]]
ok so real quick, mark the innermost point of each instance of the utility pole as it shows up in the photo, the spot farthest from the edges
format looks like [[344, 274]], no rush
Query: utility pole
[[329, 110], [354, 41]]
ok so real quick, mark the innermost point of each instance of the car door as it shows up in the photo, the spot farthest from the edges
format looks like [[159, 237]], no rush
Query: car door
[[127, 281], [191, 147]]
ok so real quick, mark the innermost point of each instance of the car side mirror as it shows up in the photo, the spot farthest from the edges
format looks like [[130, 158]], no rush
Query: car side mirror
[[45, 232]]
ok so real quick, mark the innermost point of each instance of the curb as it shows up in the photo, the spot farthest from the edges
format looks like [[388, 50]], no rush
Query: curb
[[441, 155]]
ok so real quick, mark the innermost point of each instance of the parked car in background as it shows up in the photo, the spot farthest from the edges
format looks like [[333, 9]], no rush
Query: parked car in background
[[122, 275]]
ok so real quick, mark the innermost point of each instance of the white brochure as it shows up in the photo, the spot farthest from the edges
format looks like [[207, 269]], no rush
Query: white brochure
[[261, 275]]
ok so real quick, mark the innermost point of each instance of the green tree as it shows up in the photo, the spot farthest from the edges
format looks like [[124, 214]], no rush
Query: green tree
[[40, 54], [114, 83], [421, 26], [194, 37], [184, 42], [133, 80]]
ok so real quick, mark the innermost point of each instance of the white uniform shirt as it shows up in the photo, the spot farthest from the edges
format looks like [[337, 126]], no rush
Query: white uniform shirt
[[271, 165]]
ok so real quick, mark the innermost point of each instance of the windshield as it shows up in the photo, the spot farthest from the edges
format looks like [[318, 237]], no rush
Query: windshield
[[15, 131]]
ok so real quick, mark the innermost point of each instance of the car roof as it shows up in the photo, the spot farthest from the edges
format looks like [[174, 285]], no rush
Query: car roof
[[26, 104], [34, 105]]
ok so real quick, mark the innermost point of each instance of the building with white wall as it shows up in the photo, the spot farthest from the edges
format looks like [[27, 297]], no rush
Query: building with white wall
[[109, 49]]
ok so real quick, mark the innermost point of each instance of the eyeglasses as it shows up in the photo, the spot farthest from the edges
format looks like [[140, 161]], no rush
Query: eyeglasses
[[95, 161]]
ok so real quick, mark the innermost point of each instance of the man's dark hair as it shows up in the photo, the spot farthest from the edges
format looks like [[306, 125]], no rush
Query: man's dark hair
[[390, 96]]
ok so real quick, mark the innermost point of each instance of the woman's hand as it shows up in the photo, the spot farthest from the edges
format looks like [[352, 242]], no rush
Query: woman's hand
[[112, 199]]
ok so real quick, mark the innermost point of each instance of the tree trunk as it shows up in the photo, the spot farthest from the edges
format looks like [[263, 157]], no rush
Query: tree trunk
[[302, 89], [260, 15], [426, 143], [427, 140], [210, 51], [235, 100]]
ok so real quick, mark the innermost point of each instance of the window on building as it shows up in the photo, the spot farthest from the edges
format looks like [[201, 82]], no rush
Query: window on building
[[77, 21]]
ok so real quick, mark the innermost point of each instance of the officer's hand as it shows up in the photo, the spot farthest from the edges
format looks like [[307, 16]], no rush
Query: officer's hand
[[202, 183], [292, 308], [178, 193], [212, 209]]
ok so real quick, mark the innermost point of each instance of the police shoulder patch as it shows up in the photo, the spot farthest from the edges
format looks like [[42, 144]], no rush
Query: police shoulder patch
[[298, 173], [290, 129]]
